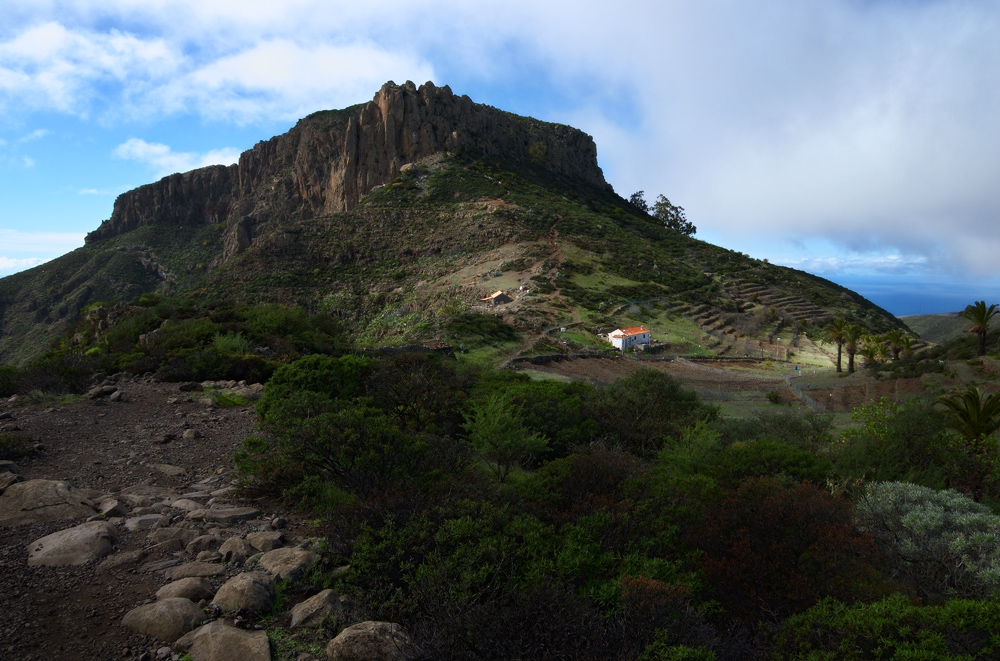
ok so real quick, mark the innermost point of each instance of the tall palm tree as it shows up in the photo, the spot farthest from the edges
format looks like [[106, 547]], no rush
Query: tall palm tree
[[980, 316], [970, 413], [894, 337], [835, 333], [852, 338]]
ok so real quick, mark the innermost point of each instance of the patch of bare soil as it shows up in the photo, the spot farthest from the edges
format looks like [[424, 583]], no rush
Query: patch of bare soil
[[137, 445], [724, 376]]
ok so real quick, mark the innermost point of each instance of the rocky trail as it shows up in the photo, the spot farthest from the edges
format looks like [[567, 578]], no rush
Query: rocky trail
[[121, 536]]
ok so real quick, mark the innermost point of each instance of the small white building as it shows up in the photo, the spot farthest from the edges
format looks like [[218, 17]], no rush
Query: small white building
[[626, 338]]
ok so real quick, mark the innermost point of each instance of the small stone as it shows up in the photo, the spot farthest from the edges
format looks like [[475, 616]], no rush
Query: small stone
[[111, 507], [191, 434], [116, 396], [279, 522]]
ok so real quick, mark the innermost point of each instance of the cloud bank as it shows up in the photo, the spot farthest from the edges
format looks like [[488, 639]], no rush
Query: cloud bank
[[867, 124]]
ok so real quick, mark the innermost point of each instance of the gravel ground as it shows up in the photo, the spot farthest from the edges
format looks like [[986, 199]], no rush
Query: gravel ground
[[138, 444]]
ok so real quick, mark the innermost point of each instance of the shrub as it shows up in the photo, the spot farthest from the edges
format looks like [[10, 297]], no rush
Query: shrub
[[769, 458], [897, 442], [893, 628], [231, 343], [646, 408], [14, 447], [938, 544], [771, 551], [773, 396], [10, 375]]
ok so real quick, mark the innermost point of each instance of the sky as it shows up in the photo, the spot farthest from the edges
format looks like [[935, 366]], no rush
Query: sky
[[855, 139]]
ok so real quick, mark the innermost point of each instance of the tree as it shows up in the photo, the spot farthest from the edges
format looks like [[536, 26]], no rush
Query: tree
[[896, 340], [836, 332], [672, 216], [852, 338], [980, 316], [970, 414], [498, 434], [638, 200]]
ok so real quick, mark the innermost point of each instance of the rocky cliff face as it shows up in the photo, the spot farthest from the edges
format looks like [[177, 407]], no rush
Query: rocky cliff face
[[330, 160]]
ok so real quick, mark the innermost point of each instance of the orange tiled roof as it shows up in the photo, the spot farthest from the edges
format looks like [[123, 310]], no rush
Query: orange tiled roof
[[492, 296], [635, 330]]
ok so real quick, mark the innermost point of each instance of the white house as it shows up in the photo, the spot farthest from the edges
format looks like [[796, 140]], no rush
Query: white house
[[626, 338]]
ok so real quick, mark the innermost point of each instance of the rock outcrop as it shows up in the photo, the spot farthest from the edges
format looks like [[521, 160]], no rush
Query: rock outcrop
[[331, 159]]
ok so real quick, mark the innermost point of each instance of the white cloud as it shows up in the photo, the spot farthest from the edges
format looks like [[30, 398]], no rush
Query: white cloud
[[871, 124], [8, 265], [37, 134], [163, 160], [28, 161]]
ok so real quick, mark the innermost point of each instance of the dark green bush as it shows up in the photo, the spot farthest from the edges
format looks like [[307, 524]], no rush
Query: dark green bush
[[14, 447], [10, 375], [891, 629], [765, 458]]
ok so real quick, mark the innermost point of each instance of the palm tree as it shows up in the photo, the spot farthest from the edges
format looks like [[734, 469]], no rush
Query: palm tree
[[835, 333], [894, 337], [970, 413], [852, 336], [907, 346], [980, 316]]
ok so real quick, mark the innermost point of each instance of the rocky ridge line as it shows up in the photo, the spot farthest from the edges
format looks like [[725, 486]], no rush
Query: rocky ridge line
[[330, 160]]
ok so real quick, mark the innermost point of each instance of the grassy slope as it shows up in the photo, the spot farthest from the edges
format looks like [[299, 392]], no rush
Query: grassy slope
[[938, 328], [428, 245]]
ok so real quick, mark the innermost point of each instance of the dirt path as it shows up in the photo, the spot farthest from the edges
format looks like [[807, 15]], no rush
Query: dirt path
[[139, 445]]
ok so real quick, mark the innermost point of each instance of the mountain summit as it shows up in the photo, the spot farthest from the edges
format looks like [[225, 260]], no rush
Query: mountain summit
[[331, 159], [398, 217]]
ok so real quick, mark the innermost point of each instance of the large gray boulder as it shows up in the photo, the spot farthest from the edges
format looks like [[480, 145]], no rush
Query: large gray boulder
[[218, 641], [235, 550], [193, 587], [37, 501], [196, 569], [167, 620], [252, 591], [287, 563], [314, 610], [73, 546], [371, 641]]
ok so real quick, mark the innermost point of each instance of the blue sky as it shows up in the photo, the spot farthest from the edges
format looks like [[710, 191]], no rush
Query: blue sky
[[850, 138]]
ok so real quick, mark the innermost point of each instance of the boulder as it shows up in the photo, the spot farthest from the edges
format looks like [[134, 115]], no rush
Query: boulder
[[226, 516], [8, 478], [111, 507], [196, 569], [265, 541], [141, 522], [203, 543], [218, 641], [371, 641], [252, 591], [287, 563], [186, 504], [167, 620], [235, 550], [314, 610], [185, 535], [194, 588], [73, 546], [37, 501]]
